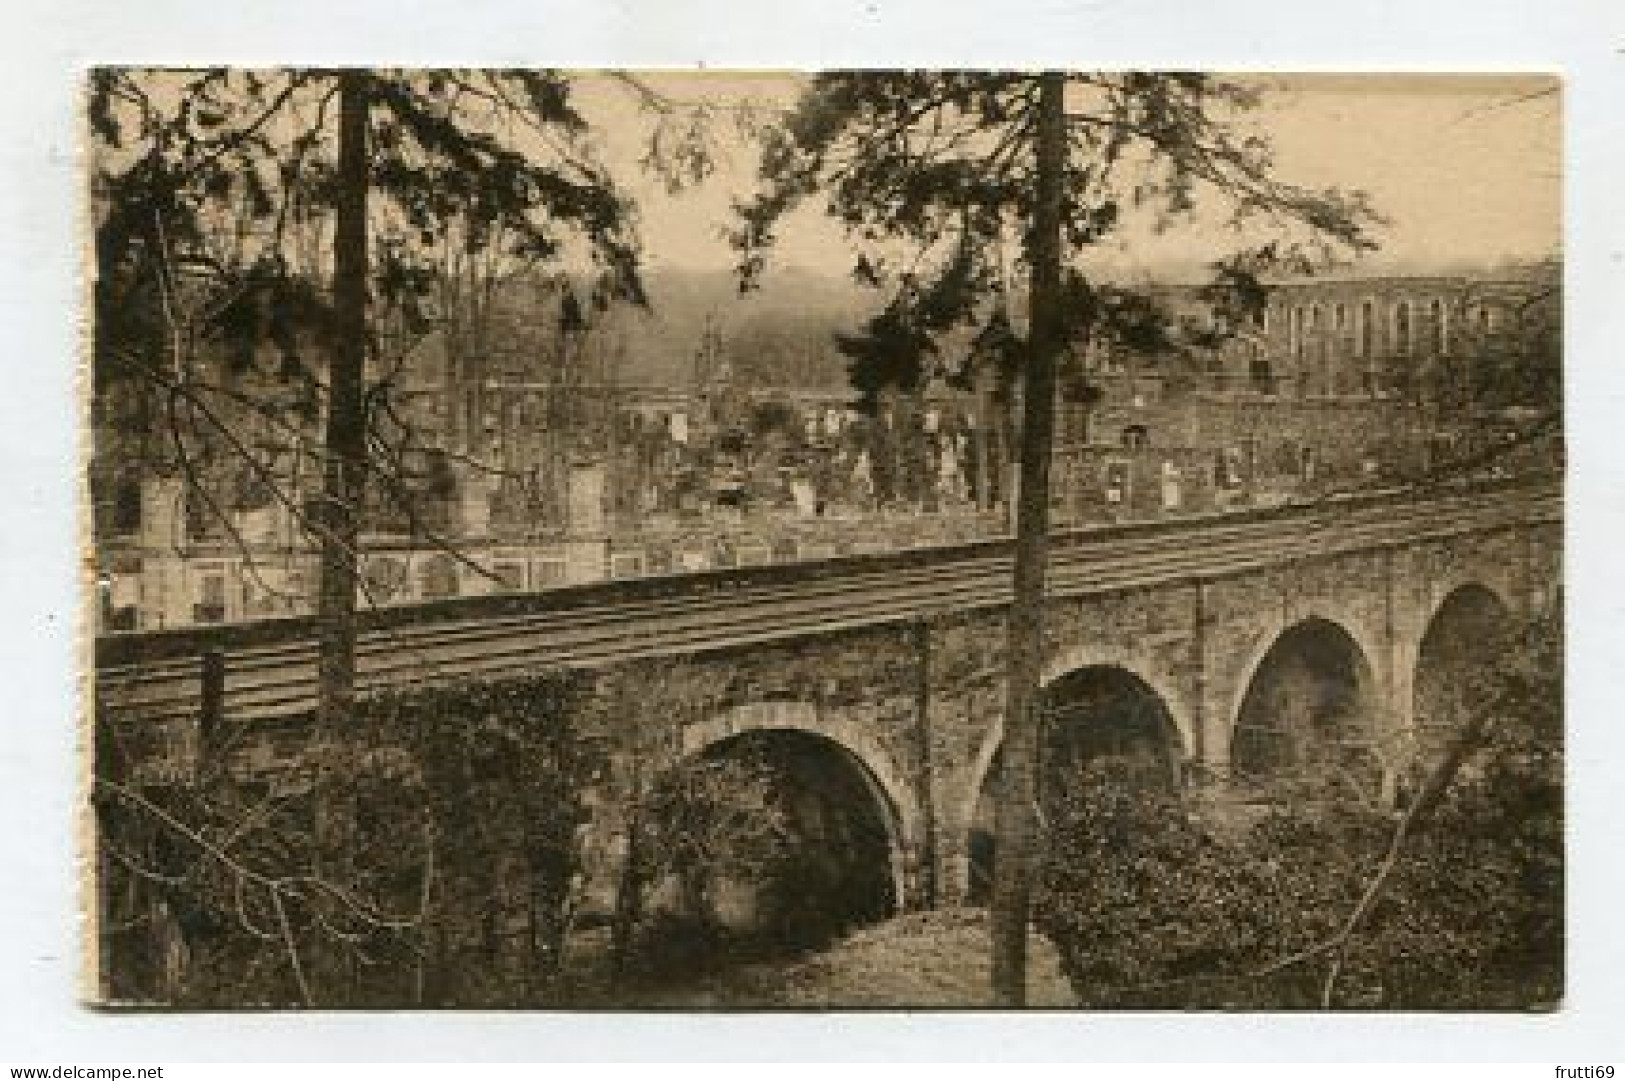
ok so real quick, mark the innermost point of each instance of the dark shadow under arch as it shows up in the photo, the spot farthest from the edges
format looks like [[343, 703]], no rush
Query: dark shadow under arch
[[842, 874], [1310, 704], [1466, 641], [1094, 715]]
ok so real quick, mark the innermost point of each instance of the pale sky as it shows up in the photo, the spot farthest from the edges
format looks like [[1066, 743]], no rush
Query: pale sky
[[1466, 167]]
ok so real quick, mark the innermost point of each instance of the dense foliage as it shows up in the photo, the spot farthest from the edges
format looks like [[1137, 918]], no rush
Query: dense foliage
[[708, 836], [216, 304], [1154, 907], [455, 884], [739, 850]]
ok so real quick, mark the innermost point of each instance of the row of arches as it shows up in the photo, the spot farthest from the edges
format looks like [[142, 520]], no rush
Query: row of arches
[[1311, 700]]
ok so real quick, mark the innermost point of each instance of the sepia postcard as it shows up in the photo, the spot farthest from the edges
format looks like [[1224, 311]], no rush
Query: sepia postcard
[[840, 540]]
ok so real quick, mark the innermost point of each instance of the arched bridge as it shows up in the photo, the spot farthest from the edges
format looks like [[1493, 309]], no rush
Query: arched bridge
[[1227, 647]]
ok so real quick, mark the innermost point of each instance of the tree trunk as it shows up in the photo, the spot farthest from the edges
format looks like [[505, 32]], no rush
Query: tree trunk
[[629, 885], [1015, 809], [342, 486]]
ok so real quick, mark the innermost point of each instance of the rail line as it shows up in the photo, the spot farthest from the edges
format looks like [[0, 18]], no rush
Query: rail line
[[757, 607]]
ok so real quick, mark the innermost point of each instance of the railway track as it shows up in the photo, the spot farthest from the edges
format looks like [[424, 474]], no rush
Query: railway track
[[750, 608]]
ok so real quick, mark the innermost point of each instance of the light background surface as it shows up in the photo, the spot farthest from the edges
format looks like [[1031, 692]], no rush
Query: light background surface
[[1465, 168], [46, 45]]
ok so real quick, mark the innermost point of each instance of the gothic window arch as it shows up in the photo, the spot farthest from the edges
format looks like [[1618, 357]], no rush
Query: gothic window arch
[[1402, 328], [1322, 354], [126, 505], [1258, 369]]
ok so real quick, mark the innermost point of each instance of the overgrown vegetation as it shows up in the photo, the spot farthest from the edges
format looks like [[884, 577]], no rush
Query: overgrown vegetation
[[460, 872], [535, 841], [466, 880], [707, 825], [1451, 900]]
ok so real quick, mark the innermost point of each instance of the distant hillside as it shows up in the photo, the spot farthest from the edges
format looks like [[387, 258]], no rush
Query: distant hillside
[[782, 334]]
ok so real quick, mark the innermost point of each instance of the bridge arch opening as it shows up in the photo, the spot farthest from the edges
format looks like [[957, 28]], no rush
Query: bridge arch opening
[[1310, 710], [1465, 641], [1095, 716], [841, 837]]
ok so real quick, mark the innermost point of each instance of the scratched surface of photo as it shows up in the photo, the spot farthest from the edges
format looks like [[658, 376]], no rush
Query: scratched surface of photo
[[801, 541]]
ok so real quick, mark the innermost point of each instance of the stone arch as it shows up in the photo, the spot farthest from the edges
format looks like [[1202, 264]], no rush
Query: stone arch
[[1170, 721], [896, 800], [1311, 664], [1484, 571], [1462, 637], [1433, 574], [1155, 676], [1076, 659], [1224, 704]]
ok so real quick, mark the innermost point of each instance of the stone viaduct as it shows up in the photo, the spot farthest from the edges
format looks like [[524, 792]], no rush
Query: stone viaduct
[[1361, 640], [1202, 664]]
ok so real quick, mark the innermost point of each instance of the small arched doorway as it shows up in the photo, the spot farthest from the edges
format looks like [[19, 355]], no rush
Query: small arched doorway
[[1092, 716]]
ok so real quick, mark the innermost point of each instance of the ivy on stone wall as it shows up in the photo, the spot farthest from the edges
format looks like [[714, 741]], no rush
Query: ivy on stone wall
[[462, 805], [498, 774]]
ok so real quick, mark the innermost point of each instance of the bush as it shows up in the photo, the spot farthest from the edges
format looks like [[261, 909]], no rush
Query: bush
[[1150, 910], [458, 808], [1151, 907], [678, 947], [498, 772]]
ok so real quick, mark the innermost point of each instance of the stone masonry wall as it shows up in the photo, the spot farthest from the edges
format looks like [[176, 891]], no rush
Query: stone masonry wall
[[1197, 645]]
